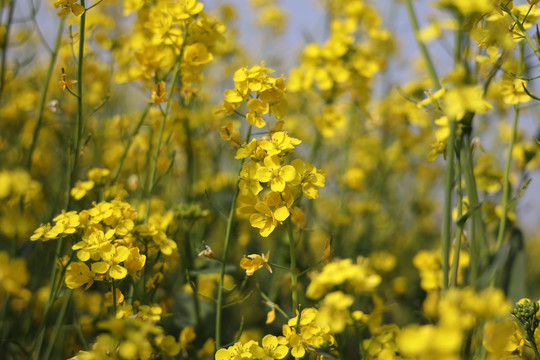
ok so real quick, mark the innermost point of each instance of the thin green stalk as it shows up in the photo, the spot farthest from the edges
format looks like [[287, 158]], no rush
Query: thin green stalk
[[58, 324], [449, 171], [448, 184], [5, 47], [505, 201], [532, 340], [423, 49], [79, 123], [294, 275], [219, 304], [506, 181], [315, 147], [130, 140], [226, 245], [113, 287], [460, 225], [478, 235], [43, 95], [447, 212], [81, 334], [190, 157], [160, 137], [523, 30], [188, 258], [70, 183], [268, 300], [53, 295]]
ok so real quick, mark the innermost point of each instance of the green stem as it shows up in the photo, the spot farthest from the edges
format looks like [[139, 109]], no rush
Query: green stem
[[423, 49], [160, 138], [43, 95], [460, 225], [268, 300], [130, 141], [72, 176], [53, 295], [5, 47], [315, 147], [447, 215], [79, 125], [294, 275], [448, 183], [532, 341], [506, 182], [523, 30], [190, 157], [58, 324], [113, 288], [226, 245], [188, 258], [478, 236]]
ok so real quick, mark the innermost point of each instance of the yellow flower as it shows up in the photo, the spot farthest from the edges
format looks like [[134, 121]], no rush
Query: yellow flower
[[39, 233], [109, 297], [502, 338], [254, 262], [309, 177], [513, 91], [112, 256], [67, 6], [158, 93], [66, 223], [90, 245], [358, 276], [170, 346], [97, 174], [237, 351], [280, 144], [464, 99], [277, 175], [135, 261], [334, 312], [81, 189], [78, 274], [263, 219], [271, 349], [197, 54], [13, 277]]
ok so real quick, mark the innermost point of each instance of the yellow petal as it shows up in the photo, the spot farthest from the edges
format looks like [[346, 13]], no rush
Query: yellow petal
[[287, 173], [117, 272], [100, 267], [282, 213], [233, 96], [77, 9]]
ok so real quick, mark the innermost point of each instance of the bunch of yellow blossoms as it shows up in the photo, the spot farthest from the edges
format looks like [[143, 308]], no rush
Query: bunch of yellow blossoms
[[302, 334], [104, 235], [265, 159]]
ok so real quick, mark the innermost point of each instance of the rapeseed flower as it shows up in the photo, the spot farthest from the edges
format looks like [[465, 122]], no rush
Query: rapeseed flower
[[254, 262]]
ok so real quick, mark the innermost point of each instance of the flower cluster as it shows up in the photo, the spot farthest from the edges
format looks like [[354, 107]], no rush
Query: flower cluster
[[103, 235], [268, 95], [301, 335]]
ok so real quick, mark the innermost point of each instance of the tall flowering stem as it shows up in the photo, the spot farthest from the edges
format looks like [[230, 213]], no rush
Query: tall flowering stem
[[294, 275], [80, 122], [460, 225], [5, 40], [79, 125], [450, 149], [43, 95], [160, 137], [226, 245]]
